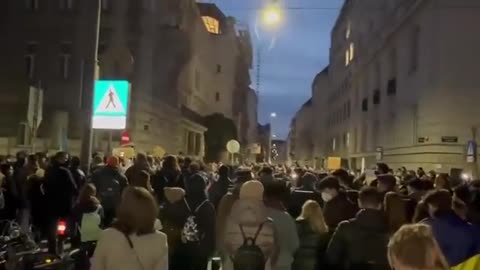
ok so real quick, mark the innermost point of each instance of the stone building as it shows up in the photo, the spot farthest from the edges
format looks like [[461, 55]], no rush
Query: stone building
[[179, 56], [403, 83], [300, 140]]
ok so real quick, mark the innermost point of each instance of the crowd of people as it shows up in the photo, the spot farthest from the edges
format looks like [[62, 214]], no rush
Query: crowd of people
[[180, 214]]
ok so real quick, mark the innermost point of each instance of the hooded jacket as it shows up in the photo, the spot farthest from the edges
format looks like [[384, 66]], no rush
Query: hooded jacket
[[250, 214]]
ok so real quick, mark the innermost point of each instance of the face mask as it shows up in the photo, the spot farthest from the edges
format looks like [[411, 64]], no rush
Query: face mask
[[326, 196]]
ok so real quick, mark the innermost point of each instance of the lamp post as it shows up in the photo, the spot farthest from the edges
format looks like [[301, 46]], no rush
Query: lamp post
[[93, 33], [272, 15]]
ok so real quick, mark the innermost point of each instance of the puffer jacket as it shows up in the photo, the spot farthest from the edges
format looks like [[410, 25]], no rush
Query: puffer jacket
[[250, 214]]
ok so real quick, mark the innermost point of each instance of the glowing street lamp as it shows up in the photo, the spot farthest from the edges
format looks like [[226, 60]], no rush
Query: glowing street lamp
[[272, 15], [273, 114]]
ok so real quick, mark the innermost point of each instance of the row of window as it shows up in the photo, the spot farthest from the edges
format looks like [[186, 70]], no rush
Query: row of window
[[64, 59], [377, 95], [334, 145], [34, 5], [342, 114]]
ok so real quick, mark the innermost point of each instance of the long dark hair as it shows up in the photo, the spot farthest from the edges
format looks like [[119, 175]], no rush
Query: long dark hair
[[170, 164]]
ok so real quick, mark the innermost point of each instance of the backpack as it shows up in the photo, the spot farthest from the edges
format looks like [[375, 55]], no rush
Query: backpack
[[109, 192], [249, 256], [191, 231], [90, 229]]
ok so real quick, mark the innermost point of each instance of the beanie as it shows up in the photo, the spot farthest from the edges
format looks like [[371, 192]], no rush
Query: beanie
[[252, 190]]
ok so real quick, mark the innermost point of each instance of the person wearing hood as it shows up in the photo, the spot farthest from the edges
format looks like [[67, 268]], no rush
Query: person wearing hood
[[140, 164], [302, 194], [284, 224], [177, 219], [225, 205], [249, 214], [337, 207], [220, 187], [361, 242], [168, 176], [60, 191]]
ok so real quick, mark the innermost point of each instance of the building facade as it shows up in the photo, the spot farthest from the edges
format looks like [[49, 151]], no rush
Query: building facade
[[403, 84], [179, 56], [301, 137]]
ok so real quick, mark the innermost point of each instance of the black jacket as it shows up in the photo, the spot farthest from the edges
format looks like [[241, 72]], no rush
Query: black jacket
[[162, 179], [360, 243], [311, 253], [105, 178], [60, 191], [338, 209], [298, 197]]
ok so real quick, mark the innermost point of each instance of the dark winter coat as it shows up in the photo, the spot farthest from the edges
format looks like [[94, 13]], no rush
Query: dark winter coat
[[338, 210], [79, 177], [60, 190], [162, 179], [298, 197], [218, 189], [360, 243], [311, 253], [37, 200], [458, 239], [105, 174]]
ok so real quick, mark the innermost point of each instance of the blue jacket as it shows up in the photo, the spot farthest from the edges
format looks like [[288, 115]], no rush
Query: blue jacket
[[458, 239]]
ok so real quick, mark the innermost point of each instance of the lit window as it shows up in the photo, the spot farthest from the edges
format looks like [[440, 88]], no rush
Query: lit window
[[347, 140], [334, 144], [211, 24], [352, 51], [348, 31], [65, 59], [66, 4], [347, 57], [31, 5]]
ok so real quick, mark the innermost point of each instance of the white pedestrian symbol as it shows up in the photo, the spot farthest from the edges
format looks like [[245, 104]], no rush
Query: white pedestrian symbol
[[110, 102]]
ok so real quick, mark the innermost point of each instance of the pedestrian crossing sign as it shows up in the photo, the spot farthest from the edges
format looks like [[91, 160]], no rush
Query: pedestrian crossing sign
[[110, 104]]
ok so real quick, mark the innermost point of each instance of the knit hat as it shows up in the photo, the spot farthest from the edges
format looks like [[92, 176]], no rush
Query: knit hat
[[252, 190], [112, 161]]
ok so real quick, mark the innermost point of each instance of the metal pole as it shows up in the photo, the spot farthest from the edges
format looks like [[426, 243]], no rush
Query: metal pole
[[93, 33]]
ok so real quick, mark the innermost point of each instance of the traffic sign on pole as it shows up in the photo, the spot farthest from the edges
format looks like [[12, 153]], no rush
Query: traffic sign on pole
[[471, 151], [110, 104]]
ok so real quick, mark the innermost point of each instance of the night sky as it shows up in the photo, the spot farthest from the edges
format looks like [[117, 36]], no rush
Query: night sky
[[300, 50]]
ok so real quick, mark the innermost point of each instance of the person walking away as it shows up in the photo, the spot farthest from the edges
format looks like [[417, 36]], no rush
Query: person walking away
[[284, 224], [337, 206], [458, 239], [142, 180], [361, 242], [60, 191], [302, 194], [467, 201], [314, 237], [167, 176], [396, 210], [225, 205], [248, 220], [414, 247], [140, 164], [36, 199], [133, 243], [77, 173], [109, 182], [220, 187], [87, 215], [197, 230]]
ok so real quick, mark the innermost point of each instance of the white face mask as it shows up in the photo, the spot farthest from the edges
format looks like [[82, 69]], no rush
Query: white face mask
[[326, 196]]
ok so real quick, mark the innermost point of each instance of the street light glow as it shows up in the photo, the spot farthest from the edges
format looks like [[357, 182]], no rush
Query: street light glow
[[272, 15], [274, 136], [273, 115]]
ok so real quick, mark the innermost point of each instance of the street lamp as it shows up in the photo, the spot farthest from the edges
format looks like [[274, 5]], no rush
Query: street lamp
[[272, 15], [273, 115], [274, 136]]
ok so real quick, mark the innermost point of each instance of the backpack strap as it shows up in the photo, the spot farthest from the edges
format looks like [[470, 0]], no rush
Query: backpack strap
[[188, 206], [254, 239], [200, 206], [258, 232]]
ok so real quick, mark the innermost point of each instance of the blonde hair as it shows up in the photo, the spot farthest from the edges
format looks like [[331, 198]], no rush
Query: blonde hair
[[137, 212], [414, 247], [312, 212]]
